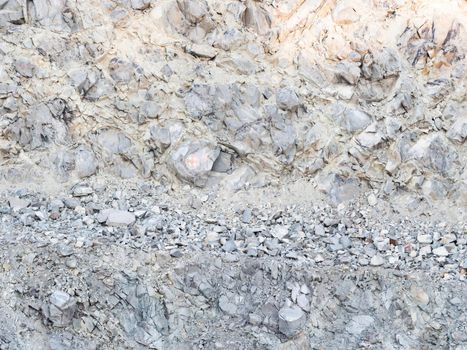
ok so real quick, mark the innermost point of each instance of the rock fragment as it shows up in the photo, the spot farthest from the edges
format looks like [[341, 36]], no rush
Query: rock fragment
[[287, 99], [227, 306], [291, 320], [60, 309], [115, 217], [354, 120], [16, 204], [377, 260], [441, 251]]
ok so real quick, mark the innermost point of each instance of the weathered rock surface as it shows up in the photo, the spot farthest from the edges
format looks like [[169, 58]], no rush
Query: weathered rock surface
[[161, 273], [257, 80], [212, 174]]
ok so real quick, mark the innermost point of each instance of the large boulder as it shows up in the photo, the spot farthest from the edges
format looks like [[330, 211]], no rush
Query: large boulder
[[434, 152], [193, 160]]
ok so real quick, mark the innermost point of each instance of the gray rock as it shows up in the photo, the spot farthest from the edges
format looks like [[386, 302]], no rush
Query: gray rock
[[256, 18], [291, 320], [140, 4], [161, 137], [24, 67], [85, 162], [48, 13], [354, 120], [11, 12], [114, 217], [246, 216], [61, 309], [38, 129], [359, 323], [223, 163], [229, 246], [435, 152], [287, 99], [226, 306], [381, 64], [64, 250], [150, 109], [283, 135], [71, 203], [16, 204], [120, 70], [202, 51], [10, 104], [82, 191], [349, 72], [279, 231], [193, 160], [458, 130], [198, 101]]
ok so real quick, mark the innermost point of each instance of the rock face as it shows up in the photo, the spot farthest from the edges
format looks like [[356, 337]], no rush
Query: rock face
[[222, 125], [280, 95]]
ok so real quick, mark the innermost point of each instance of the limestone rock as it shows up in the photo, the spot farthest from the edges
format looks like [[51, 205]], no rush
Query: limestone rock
[[458, 130], [287, 99], [60, 309], [114, 217], [291, 320], [353, 120], [193, 161]]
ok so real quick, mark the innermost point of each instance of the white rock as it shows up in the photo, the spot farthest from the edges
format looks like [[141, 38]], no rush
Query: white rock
[[280, 231], [426, 239], [419, 295], [60, 299], [114, 217], [441, 251], [377, 260], [425, 250], [449, 238], [319, 258], [372, 200], [81, 191], [17, 203]]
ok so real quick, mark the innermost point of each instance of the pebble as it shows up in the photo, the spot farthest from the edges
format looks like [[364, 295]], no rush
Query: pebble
[[420, 295], [81, 191], [211, 237], [377, 260], [425, 239], [449, 238], [441, 251], [319, 230], [372, 200], [425, 250], [246, 216]]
